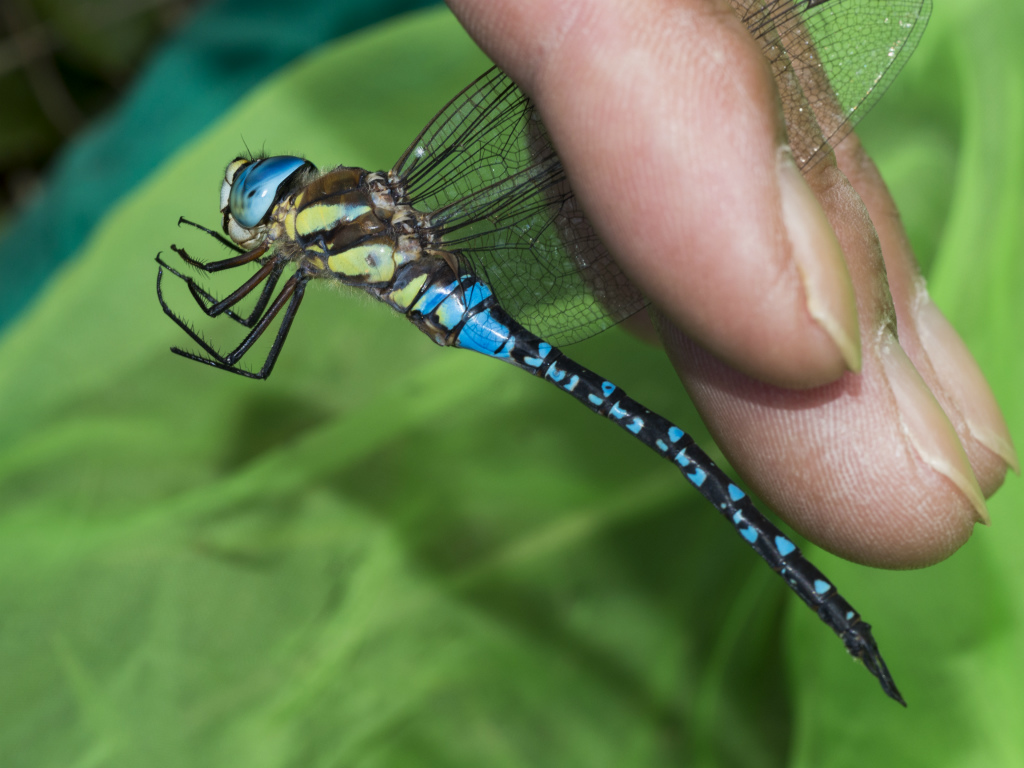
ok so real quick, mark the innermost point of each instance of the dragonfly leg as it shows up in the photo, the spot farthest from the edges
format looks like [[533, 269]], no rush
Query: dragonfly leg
[[245, 257], [290, 297], [215, 235], [213, 307]]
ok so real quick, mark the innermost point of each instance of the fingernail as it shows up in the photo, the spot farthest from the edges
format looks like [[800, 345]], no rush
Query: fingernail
[[925, 424], [819, 260], [965, 382]]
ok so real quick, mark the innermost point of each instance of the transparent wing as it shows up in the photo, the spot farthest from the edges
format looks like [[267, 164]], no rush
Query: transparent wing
[[832, 60], [497, 194], [499, 201]]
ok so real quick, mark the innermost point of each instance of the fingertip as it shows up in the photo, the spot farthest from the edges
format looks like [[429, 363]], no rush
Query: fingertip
[[867, 467], [820, 262], [927, 428], [958, 372], [932, 343]]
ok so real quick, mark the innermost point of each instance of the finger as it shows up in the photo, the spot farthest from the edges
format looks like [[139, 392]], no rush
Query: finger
[[666, 118], [869, 466], [938, 352]]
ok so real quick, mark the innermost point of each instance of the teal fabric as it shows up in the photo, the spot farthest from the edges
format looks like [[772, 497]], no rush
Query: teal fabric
[[226, 49]]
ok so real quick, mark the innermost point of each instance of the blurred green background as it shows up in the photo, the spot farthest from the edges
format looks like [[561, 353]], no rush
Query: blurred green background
[[395, 555]]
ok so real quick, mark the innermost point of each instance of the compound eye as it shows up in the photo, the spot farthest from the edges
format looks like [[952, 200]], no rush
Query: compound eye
[[254, 188]]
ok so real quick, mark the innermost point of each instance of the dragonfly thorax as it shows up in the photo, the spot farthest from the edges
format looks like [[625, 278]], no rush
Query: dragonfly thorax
[[345, 225]]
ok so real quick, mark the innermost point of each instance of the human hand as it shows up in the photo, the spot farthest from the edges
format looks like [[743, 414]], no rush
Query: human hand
[[779, 297]]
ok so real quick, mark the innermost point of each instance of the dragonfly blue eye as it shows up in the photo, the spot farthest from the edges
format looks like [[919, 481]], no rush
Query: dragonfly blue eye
[[255, 187]]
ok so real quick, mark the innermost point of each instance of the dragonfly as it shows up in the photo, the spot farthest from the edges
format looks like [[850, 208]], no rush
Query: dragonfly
[[476, 237]]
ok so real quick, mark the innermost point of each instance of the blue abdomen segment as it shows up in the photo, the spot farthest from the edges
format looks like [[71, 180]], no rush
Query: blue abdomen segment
[[483, 333], [462, 310]]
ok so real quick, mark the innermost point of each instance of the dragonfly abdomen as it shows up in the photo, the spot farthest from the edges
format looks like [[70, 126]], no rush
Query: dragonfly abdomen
[[464, 313]]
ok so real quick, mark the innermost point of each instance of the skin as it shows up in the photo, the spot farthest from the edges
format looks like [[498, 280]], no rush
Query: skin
[[791, 306]]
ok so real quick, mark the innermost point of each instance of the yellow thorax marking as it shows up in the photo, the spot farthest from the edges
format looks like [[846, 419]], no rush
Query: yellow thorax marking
[[404, 297], [374, 262], [325, 216]]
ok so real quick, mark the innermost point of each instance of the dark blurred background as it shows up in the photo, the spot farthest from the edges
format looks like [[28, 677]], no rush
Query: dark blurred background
[[95, 94], [62, 62]]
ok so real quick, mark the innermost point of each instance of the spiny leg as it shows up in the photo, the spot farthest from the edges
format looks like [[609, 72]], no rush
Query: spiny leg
[[245, 257], [282, 331], [205, 294], [215, 235], [214, 307], [181, 322], [290, 295]]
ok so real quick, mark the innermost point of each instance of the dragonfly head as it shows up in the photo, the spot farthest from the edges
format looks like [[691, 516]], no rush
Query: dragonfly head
[[251, 189]]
